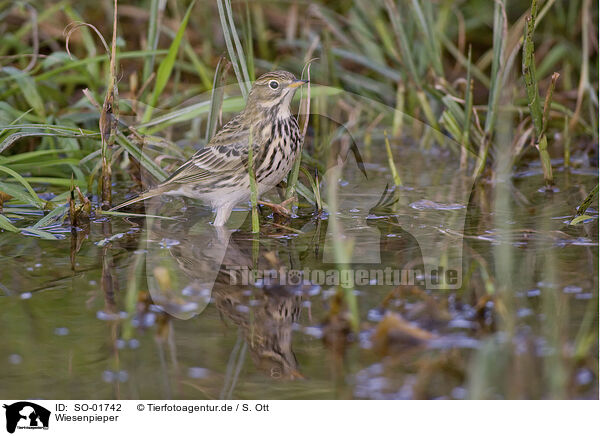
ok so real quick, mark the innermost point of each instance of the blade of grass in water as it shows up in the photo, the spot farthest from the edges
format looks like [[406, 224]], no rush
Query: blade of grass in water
[[314, 184], [53, 216], [391, 163], [5, 224], [342, 247], [140, 215], [535, 107], [583, 207], [107, 123], [41, 233], [567, 143]]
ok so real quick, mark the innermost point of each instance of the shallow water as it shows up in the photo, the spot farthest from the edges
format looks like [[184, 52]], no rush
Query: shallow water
[[101, 314]]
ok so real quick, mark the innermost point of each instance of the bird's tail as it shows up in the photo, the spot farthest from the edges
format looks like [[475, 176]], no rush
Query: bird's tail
[[143, 196]]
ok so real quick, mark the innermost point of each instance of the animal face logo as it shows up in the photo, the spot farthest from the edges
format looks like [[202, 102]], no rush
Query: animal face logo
[[26, 415]]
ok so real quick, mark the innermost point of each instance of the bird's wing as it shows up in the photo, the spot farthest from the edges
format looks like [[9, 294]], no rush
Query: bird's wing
[[225, 156]]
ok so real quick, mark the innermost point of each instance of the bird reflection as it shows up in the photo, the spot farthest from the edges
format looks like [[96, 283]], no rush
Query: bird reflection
[[194, 263]]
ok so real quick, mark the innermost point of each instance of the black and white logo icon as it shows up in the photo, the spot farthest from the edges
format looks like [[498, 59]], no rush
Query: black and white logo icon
[[26, 415]]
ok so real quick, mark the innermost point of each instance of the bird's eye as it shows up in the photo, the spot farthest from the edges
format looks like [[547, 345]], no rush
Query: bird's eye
[[273, 84]]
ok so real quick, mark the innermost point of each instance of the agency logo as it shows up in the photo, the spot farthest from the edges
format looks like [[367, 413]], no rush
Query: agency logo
[[26, 415]]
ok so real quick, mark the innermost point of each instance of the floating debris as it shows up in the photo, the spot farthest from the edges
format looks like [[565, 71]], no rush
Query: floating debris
[[15, 359], [315, 332], [168, 243], [115, 376], [571, 289], [61, 331], [432, 205], [108, 316], [105, 241], [195, 372], [134, 343]]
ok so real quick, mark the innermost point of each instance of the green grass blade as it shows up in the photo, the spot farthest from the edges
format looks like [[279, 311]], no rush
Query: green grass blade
[[531, 85], [18, 192], [201, 69], [156, 9], [5, 224], [29, 90], [464, 139], [315, 188], [52, 217], [430, 38], [391, 163], [36, 156], [238, 46], [583, 207], [37, 201], [499, 43], [233, 51], [407, 58], [166, 66], [141, 157], [41, 233], [11, 139], [216, 100]]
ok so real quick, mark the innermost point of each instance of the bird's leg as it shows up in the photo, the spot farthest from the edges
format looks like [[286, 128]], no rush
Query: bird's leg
[[223, 213], [280, 208]]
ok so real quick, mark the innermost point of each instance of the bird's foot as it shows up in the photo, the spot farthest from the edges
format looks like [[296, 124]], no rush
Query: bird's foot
[[279, 209]]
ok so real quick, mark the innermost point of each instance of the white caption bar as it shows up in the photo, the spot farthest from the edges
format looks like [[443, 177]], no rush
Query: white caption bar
[[297, 417]]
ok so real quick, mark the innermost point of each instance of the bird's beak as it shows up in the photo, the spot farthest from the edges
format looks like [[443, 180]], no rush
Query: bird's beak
[[297, 83]]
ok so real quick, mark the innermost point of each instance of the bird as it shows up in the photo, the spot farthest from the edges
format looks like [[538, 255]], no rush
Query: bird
[[218, 173]]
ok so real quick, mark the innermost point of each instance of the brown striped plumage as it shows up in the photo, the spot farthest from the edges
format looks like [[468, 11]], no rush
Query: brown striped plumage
[[218, 173]]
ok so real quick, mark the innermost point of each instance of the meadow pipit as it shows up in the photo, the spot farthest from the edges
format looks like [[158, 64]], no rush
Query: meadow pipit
[[218, 173]]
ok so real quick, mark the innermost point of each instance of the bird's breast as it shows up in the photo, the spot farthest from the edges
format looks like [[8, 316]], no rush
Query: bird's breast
[[279, 152]]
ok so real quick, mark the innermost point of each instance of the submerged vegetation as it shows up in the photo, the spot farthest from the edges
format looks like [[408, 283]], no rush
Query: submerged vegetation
[[98, 102]]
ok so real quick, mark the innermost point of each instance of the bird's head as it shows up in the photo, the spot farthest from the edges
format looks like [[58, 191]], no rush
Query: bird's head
[[272, 92]]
